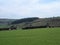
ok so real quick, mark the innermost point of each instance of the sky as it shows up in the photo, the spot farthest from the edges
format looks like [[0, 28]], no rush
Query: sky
[[16, 9]]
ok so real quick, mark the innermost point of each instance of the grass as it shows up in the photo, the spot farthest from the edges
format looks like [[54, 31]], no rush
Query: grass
[[43, 36]]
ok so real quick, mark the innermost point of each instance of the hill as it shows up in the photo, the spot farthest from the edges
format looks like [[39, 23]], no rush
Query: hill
[[25, 20], [6, 22], [31, 22]]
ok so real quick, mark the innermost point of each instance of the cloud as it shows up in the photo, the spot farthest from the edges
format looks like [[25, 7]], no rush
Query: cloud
[[29, 8]]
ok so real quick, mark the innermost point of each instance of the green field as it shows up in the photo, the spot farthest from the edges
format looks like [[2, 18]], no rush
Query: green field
[[42, 36]]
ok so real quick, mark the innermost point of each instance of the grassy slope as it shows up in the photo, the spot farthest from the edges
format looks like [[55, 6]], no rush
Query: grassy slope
[[48, 36]]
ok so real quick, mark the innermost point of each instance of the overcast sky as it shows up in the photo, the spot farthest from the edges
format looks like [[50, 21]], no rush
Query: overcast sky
[[29, 8]]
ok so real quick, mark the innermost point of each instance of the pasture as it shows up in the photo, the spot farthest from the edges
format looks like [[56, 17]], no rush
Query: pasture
[[42, 36]]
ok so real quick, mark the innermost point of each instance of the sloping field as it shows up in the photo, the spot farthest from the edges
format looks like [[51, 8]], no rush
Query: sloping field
[[42, 36]]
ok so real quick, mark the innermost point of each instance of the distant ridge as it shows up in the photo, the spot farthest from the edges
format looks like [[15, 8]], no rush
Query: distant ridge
[[33, 21]]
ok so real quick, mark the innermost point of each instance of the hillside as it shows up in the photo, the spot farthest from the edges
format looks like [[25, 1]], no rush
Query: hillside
[[30, 22], [27, 22], [6, 22]]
